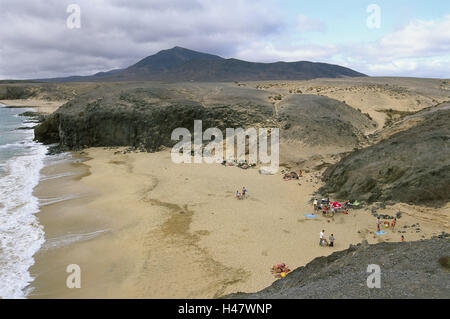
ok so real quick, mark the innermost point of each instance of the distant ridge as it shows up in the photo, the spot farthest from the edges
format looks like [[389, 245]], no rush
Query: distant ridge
[[179, 64]]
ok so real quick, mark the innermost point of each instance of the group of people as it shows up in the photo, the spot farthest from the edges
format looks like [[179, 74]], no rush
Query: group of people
[[348, 204], [292, 175], [323, 241], [324, 206], [386, 224], [241, 195], [280, 270]]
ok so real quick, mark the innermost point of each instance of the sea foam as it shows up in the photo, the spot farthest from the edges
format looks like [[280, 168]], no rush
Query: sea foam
[[21, 236]]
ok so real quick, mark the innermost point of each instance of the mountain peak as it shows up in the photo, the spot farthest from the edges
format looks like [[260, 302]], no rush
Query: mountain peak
[[182, 64], [171, 58]]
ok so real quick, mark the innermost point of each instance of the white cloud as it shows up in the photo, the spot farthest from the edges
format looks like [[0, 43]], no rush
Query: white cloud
[[263, 52], [418, 38], [420, 49], [35, 41], [309, 24]]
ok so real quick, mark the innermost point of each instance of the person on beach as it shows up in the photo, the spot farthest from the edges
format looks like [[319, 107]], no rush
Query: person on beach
[[280, 270], [378, 223], [321, 239], [244, 192], [403, 238], [393, 223], [331, 241], [238, 195], [315, 204], [300, 173]]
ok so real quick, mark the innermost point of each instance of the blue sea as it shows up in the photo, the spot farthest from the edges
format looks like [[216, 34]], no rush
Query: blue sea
[[21, 235]]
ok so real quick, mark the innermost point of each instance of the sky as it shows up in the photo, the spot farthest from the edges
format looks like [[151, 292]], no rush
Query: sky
[[51, 38]]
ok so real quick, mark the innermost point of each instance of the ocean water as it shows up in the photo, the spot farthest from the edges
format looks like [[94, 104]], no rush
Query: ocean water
[[21, 235]]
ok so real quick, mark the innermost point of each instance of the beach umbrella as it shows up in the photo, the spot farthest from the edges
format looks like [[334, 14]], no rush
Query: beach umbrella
[[336, 204]]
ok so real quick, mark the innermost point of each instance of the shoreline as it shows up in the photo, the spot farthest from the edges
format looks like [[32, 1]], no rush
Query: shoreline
[[144, 227], [40, 106]]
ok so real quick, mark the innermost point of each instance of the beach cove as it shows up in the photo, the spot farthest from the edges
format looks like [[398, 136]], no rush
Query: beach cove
[[141, 226]]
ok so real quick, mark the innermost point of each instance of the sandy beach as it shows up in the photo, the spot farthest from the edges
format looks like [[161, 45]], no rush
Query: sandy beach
[[144, 227], [141, 226], [41, 106]]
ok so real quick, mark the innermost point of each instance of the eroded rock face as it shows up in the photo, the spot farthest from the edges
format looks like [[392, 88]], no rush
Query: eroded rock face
[[146, 116], [408, 270], [48, 130], [411, 166]]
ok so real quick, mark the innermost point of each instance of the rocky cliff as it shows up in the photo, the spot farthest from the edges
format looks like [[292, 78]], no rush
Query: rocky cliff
[[418, 269], [411, 166], [144, 114]]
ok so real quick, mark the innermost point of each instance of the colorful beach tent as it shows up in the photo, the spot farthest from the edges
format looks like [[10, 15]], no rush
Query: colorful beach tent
[[336, 204]]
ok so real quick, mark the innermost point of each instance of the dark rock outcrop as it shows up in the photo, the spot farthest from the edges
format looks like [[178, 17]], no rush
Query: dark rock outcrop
[[412, 166], [15, 91], [322, 121], [145, 115], [408, 270], [48, 130]]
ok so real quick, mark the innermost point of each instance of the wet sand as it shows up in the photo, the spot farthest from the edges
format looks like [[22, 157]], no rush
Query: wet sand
[[144, 227]]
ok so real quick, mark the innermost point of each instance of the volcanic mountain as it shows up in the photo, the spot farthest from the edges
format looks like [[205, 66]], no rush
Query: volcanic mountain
[[180, 64]]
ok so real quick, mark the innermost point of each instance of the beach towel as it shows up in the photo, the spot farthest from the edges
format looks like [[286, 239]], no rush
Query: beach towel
[[381, 232], [310, 216]]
